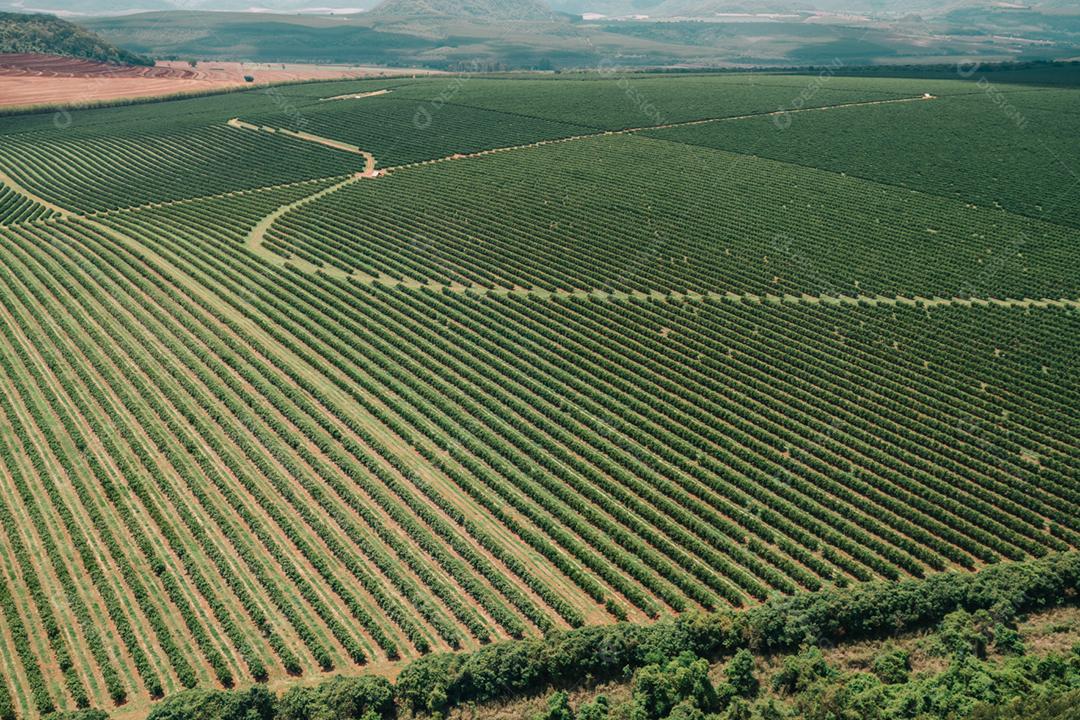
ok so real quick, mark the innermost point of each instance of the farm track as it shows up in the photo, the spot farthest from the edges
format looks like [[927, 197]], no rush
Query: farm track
[[143, 249], [356, 96], [316, 377], [645, 128], [6, 179], [254, 240], [665, 296]]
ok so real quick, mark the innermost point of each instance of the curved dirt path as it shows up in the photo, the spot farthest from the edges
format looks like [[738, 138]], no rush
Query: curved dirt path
[[254, 239], [369, 159], [13, 184], [356, 96]]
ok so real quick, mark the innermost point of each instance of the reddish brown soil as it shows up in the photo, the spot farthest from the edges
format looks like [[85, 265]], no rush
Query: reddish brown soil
[[36, 65], [31, 79], [52, 80]]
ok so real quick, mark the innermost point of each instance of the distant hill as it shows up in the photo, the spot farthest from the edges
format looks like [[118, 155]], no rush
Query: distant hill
[[52, 36], [470, 9], [404, 33]]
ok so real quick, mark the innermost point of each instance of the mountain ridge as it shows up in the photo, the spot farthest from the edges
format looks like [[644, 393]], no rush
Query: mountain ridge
[[50, 35], [470, 9]]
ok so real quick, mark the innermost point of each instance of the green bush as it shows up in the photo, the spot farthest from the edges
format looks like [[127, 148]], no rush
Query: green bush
[[598, 709], [800, 671], [659, 688], [962, 634], [439, 681], [558, 708], [1007, 640], [740, 674], [256, 703], [1051, 706], [340, 698], [892, 665], [77, 715]]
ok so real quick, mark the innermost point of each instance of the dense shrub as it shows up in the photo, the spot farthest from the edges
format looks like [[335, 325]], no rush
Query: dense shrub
[[256, 703], [739, 673], [77, 715], [1050, 706], [658, 689], [339, 699], [558, 708], [801, 671], [892, 665], [783, 623]]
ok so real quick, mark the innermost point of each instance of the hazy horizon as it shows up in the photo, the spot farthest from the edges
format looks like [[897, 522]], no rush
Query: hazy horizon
[[610, 8]]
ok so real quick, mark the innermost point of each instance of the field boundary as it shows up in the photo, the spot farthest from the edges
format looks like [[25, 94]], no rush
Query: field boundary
[[12, 183], [254, 240], [645, 128], [787, 299], [369, 159], [357, 96], [661, 295]]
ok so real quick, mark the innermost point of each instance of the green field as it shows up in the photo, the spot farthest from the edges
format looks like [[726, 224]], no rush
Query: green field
[[264, 416]]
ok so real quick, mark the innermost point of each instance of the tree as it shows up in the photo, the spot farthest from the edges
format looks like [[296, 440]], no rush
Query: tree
[[801, 671], [339, 698], [598, 709], [658, 689], [740, 674], [892, 665], [558, 708]]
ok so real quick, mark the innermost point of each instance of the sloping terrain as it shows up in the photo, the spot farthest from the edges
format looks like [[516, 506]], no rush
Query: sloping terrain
[[41, 65], [480, 9], [45, 34], [553, 362]]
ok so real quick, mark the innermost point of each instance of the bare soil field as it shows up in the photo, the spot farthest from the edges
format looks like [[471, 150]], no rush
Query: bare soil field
[[27, 79], [38, 65]]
